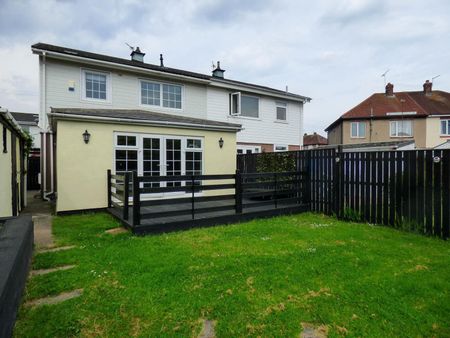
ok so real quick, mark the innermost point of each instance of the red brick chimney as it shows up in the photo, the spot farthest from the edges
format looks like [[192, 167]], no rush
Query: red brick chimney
[[427, 86], [389, 89]]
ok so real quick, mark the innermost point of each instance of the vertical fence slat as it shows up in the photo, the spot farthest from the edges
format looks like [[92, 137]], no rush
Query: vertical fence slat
[[108, 178], [379, 217], [357, 177], [429, 192], [437, 193], [367, 189], [392, 187], [413, 188], [420, 190], [136, 199], [126, 197], [373, 186], [446, 194], [385, 156]]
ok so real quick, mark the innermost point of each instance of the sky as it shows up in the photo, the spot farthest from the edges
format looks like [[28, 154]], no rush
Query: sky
[[332, 51]]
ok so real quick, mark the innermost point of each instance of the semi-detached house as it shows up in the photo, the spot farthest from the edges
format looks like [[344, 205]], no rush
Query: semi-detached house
[[101, 112]]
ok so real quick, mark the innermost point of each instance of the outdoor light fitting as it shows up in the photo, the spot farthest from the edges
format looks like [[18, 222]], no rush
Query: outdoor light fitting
[[221, 142], [86, 136]]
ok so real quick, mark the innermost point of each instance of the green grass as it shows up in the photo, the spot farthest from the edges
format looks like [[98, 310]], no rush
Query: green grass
[[261, 278]]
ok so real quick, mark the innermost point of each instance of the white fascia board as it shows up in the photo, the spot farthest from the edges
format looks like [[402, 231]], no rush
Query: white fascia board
[[260, 91], [146, 122], [114, 65]]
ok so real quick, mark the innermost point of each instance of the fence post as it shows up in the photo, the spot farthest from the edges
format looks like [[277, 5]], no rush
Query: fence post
[[238, 191], [307, 179], [109, 187], [126, 193], [136, 200], [338, 179], [192, 197], [275, 195]]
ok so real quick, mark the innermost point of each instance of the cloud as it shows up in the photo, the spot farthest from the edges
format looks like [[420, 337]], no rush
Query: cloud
[[334, 51]]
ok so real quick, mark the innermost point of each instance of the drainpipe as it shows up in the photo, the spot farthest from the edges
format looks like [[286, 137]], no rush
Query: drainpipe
[[44, 126]]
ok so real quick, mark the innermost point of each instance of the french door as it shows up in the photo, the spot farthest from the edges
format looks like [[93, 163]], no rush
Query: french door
[[159, 155]]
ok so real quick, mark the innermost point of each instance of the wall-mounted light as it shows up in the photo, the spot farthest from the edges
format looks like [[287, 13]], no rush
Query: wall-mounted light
[[86, 136], [221, 142]]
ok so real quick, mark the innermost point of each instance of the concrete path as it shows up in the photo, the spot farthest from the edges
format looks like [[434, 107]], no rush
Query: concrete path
[[208, 329], [46, 271], [41, 212], [55, 299]]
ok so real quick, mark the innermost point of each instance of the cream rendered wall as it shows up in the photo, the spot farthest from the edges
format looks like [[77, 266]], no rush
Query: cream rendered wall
[[5, 179], [81, 173], [381, 132], [264, 129], [433, 132], [125, 88]]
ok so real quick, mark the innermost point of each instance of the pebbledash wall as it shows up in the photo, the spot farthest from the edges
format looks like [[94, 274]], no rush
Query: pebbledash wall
[[81, 168]]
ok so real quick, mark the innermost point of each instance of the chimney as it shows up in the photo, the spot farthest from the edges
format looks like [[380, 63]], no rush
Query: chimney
[[161, 60], [137, 55], [218, 72], [389, 89], [427, 86]]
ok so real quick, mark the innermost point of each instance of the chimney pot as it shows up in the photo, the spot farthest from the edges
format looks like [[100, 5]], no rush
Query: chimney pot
[[161, 60], [137, 55], [427, 87], [389, 89]]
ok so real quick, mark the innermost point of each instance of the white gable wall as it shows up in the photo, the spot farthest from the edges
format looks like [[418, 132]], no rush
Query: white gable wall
[[264, 129], [125, 87]]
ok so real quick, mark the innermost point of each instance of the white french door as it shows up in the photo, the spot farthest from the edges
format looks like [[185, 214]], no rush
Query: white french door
[[159, 155]]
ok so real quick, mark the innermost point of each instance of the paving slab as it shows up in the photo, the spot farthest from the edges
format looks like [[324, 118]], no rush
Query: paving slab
[[56, 249], [46, 271], [208, 330], [311, 331], [55, 299]]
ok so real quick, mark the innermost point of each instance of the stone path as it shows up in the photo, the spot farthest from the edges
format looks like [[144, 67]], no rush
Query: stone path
[[46, 271], [41, 212], [310, 331], [116, 231], [59, 248], [208, 329], [55, 299]]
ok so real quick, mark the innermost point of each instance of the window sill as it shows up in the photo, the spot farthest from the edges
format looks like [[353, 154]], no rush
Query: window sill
[[401, 136], [357, 137], [445, 136], [160, 108], [96, 101], [281, 121], [244, 117]]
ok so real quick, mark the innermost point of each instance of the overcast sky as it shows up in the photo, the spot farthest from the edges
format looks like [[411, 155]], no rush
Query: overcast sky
[[331, 51]]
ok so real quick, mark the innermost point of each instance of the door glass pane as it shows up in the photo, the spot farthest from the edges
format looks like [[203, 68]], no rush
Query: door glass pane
[[173, 160], [151, 160]]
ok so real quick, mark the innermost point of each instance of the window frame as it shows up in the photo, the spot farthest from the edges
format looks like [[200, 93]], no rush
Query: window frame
[[281, 104], [108, 86], [358, 129], [161, 104], [238, 113], [275, 150], [397, 123], [447, 122]]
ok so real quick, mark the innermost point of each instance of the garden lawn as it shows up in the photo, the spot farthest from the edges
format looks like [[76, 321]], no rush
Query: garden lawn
[[260, 278]]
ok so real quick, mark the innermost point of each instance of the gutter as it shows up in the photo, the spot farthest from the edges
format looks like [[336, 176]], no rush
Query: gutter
[[13, 123], [148, 122]]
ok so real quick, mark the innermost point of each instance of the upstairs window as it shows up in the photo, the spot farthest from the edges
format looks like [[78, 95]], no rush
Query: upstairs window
[[445, 127], [279, 147], [244, 105], [161, 95], [401, 128], [96, 86], [358, 129], [281, 111]]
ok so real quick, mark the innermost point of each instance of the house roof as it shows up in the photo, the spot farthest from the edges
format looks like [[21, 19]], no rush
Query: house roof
[[314, 139], [7, 118], [169, 70], [26, 118], [142, 117], [379, 106]]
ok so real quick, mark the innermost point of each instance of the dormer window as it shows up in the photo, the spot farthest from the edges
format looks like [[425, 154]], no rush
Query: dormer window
[[244, 105], [95, 86]]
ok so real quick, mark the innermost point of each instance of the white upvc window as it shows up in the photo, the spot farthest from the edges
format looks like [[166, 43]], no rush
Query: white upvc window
[[95, 86], [281, 111], [445, 127], [245, 149], [164, 95], [244, 105], [280, 147], [401, 128], [358, 129]]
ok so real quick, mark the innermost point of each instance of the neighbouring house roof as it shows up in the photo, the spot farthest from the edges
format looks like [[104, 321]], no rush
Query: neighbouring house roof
[[379, 105], [26, 118], [7, 118], [142, 117], [314, 139], [379, 146], [169, 70]]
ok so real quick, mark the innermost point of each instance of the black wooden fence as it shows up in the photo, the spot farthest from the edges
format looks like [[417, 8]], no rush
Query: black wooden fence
[[403, 189], [162, 203]]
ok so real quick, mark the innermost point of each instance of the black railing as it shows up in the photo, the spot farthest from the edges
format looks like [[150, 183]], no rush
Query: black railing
[[203, 196]]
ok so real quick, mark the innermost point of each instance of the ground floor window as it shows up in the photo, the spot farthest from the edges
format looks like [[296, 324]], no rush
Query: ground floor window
[[159, 155], [246, 149], [280, 147]]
